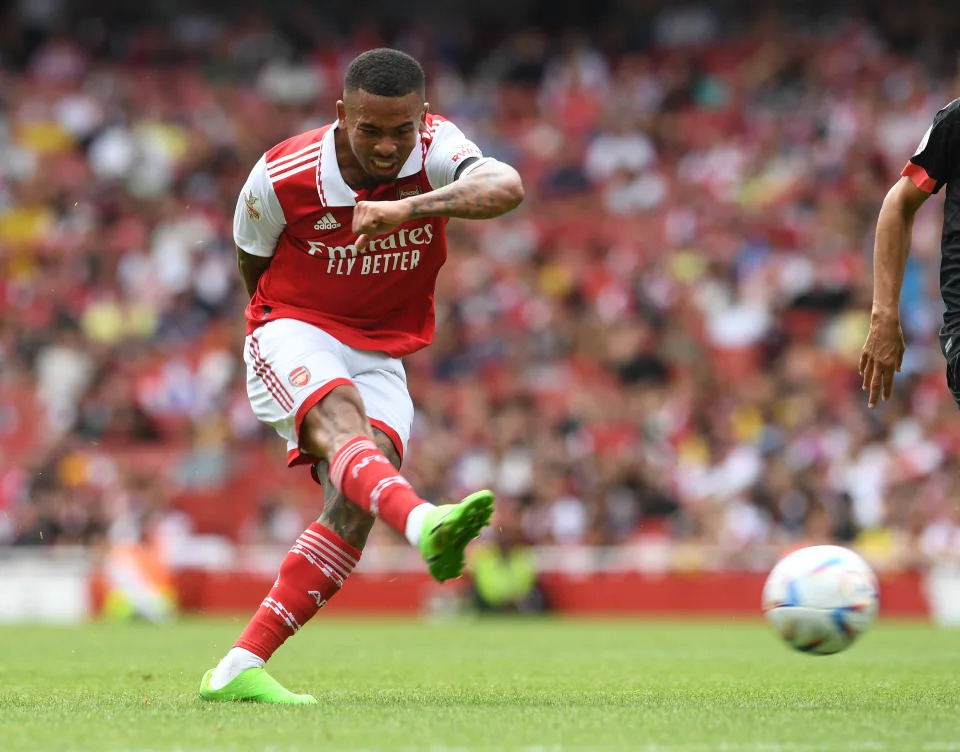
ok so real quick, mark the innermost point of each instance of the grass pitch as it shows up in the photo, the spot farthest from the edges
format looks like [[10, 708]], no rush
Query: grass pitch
[[540, 686]]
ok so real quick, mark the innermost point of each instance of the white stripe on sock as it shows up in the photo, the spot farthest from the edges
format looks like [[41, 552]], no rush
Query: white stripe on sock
[[324, 557], [347, 559]]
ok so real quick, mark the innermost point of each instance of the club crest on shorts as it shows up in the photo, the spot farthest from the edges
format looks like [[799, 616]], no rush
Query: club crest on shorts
[[406, 191], [299, 376]]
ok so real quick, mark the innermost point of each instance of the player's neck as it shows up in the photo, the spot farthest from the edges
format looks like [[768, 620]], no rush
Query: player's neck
[[350, 168]]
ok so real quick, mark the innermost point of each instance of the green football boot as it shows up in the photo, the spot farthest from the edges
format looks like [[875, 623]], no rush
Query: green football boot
[[449, 528], [252, 685]]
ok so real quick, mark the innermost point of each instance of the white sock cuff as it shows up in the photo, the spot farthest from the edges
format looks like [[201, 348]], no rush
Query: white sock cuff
[[234, 662], [415, 522]]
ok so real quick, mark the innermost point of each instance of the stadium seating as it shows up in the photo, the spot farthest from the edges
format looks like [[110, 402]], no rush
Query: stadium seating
[[660, 346]]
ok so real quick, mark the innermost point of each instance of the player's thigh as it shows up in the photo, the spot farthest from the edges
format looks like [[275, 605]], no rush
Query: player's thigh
[[387, 401], [291, 366]]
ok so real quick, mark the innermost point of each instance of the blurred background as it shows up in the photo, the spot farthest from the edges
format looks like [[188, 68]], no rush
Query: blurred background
[[653, 361]]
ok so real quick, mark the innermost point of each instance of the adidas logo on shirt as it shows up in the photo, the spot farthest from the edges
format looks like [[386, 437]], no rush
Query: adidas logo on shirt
[[326, 222]]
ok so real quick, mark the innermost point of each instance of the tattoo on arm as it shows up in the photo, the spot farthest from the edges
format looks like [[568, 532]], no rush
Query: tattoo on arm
[[342, 516], [489, 191]]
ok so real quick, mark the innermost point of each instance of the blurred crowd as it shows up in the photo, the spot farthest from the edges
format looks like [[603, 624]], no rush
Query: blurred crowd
[[656, 353]]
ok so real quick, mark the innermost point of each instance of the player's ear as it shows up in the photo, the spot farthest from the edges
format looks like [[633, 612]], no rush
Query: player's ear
[[423, 116], [341, 114]]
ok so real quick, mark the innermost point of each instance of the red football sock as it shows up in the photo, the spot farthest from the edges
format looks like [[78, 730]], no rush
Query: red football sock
[[361, 472], [311, 574]]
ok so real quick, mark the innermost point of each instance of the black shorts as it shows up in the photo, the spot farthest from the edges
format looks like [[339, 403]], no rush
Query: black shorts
[[953, 378], [950, 347]]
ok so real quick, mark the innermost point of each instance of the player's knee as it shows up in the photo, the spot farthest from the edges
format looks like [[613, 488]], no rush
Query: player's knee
[[385, 444], [333, 421]]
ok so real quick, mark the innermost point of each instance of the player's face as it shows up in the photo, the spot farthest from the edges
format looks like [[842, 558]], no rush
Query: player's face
[[382, 130]]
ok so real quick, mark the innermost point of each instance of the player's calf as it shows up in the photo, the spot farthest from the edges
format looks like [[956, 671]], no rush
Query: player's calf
[[337, 428], [311, 573]]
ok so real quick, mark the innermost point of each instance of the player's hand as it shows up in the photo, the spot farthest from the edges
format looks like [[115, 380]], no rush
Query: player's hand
[[882, 357], [378, 218]]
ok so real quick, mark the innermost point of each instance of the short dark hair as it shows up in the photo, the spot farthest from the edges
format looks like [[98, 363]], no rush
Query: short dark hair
[[385, 72]]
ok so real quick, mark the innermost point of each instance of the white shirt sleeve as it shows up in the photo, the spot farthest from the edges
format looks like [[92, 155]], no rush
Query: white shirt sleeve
[[447, 152], [258, 220]]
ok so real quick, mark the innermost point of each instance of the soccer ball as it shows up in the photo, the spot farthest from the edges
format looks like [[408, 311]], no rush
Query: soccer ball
[[821, 598]]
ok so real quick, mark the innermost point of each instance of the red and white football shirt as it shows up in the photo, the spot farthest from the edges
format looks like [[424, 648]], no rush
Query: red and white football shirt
[[297, 207]]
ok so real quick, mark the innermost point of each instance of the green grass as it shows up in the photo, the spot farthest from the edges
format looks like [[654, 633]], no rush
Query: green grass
[[541, 686]]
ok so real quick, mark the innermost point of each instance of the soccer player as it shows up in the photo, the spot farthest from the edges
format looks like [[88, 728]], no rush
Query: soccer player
[[340, 234], [936, 163]]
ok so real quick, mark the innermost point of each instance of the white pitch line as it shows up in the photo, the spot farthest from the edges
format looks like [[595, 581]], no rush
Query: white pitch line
[[862, 746]]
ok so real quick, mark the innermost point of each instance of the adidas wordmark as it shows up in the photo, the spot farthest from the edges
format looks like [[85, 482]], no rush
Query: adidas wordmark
[[326, 222]]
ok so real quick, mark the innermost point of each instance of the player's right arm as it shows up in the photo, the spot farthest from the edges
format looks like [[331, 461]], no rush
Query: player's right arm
[[926, 173], [251, 269], [883, 351], [257, 224]]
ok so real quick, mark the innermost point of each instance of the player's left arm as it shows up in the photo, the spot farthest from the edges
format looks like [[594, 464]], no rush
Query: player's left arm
[[466, 185], [491, 189]]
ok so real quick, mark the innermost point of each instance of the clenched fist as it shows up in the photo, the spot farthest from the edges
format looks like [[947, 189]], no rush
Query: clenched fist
[[378, 218]]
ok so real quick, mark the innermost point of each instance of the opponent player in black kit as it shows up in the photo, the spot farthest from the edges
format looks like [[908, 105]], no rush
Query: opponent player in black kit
[[936, 163]]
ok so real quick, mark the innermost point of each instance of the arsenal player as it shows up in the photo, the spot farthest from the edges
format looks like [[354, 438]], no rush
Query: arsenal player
[[340, 235]]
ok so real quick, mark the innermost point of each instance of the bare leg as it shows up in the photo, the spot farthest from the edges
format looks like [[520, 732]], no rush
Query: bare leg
[[340, 515], [333, 421], [337, 430], [353, 456]]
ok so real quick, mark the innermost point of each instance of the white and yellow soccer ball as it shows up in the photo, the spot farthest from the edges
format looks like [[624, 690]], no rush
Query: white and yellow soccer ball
[[820, 599]]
